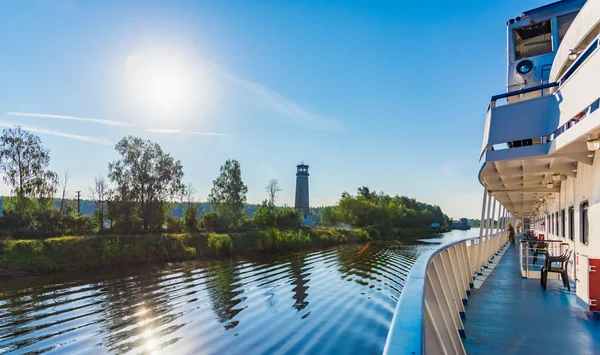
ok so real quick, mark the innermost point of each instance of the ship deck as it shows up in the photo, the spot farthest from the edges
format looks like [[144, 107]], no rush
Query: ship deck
[[509, 314]]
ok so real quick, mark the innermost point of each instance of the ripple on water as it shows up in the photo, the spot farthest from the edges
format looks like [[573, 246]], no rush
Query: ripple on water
[[333, 301]]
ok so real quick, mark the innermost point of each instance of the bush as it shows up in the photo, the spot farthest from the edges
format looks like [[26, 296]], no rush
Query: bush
[[220, 243], [190, 216], [265, 217], [213, 222], [175, 225], [269, 217], [340, 236], [275, 239], [73, 252], [64, 253], [361, 234], [289, 218], [23, 247], [110, 250]]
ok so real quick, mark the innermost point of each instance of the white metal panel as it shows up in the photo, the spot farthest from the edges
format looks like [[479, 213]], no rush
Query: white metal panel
[[532, 118], [582, 289], [586, 20], [580, 90]]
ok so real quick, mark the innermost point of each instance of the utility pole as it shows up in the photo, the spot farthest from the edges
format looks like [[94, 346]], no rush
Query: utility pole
[[79, 202]]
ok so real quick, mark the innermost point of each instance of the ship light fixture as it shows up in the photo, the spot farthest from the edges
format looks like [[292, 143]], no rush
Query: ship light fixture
[[524, 66], [549, 185], [573, 54], [556, 177], [593, 144]]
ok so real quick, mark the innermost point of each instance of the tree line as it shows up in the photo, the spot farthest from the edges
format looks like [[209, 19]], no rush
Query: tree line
[[136, 195], [141, 188], [376, 209]]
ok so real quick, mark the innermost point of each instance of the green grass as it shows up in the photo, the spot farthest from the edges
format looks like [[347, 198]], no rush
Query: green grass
[[83, 252]]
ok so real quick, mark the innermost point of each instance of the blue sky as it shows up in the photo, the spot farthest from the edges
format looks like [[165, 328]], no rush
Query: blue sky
[[391, 95]]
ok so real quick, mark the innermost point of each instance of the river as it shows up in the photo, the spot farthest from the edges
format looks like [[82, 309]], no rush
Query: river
[[338, 300]]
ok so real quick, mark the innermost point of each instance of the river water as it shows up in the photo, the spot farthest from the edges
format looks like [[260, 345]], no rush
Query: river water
[[339, 300]]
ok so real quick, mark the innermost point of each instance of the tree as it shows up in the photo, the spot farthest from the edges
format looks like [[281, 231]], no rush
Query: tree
[[289, 218], [147, 177], [265, 216], [272, 189], [364, 192], [24, 163], [330, 216], [63, 185], [99, 193], [228, 194], [190, 211]]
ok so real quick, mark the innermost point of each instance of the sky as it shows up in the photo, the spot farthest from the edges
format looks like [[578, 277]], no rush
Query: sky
[[386, 94]]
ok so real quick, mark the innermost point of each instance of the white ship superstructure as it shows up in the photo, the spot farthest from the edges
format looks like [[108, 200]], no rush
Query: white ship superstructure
[[539, 148], [541, 172]]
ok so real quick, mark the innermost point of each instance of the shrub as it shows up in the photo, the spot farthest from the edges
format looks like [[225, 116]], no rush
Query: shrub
[[23, 248], [213, 222], [275, 239], [190, 216], [220, 243], [176, 246], [289, 218], [175, 225], [110, 250], [265, 217], [73, 252], [360, 234]]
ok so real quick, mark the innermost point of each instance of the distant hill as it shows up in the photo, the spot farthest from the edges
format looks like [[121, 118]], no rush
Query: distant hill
[[87, 207]]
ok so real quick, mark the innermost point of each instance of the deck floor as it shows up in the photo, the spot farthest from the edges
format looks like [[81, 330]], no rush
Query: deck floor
[[512, 315]]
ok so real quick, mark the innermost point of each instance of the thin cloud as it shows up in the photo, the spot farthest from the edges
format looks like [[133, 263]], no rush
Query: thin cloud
[[285, 106], [173, 131], [72, 118], [95, 140]]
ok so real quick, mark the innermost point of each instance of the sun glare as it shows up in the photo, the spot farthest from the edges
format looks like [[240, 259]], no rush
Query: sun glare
[[164, 83]]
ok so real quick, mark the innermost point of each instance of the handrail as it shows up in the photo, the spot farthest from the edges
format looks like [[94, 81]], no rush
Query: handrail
[[523, 91], [428, 313]]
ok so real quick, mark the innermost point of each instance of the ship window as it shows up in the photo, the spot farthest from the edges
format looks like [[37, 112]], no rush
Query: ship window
[[585, 225], [571, 223], [556, 229], [552, 223], [533, 40], [564, 22], [563, 222]]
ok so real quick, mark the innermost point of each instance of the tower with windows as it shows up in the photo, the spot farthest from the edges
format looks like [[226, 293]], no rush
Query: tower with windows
[[302, 189]]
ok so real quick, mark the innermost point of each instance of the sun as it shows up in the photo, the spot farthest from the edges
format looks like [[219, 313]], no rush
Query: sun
[[163, 82]]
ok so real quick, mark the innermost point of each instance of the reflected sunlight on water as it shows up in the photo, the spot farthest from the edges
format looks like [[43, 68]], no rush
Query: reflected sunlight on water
[[338, 300]]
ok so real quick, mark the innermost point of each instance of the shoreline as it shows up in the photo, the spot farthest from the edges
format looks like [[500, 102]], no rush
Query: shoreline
[[34, 257]]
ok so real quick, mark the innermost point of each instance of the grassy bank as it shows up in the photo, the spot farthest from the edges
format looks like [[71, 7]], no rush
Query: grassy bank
[[83, 252], [78, 252]]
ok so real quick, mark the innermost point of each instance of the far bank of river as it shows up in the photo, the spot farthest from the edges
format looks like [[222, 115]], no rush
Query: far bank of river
[[23, 257]]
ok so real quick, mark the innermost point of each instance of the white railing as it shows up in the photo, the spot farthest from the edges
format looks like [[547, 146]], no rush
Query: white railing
[[428, 317]]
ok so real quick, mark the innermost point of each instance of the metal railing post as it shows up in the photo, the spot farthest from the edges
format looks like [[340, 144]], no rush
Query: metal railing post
[[475, 248], [499, 210], [490, 230]]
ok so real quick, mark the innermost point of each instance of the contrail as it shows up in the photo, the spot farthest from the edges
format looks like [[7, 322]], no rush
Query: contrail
[[72, 118]]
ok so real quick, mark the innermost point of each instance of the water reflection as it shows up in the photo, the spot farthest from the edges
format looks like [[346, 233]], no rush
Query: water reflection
[[300, 282], [333, 301]]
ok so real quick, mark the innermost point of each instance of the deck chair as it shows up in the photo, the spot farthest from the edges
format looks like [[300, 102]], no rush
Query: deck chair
[[557, 264]]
